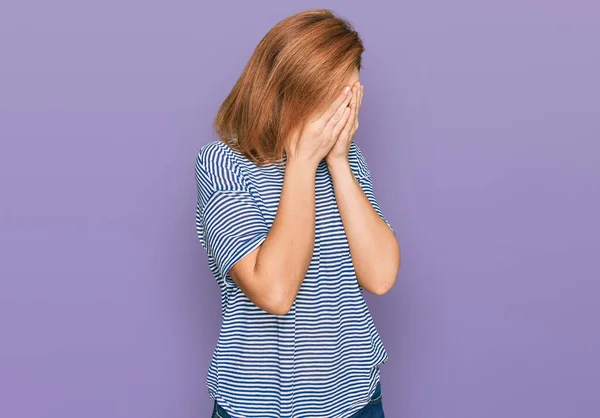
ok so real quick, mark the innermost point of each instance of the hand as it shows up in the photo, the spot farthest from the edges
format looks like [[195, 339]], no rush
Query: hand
[[319, 135], [339, 151]]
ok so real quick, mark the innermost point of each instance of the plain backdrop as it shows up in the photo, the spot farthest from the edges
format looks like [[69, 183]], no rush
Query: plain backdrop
[[481, 127]]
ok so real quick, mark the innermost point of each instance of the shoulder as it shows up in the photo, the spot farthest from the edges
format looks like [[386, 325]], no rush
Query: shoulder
[[357, 161], [354, 152], [219, 165], [215, 153]]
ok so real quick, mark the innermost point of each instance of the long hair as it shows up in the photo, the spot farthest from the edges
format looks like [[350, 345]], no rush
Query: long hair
[[298, 68]]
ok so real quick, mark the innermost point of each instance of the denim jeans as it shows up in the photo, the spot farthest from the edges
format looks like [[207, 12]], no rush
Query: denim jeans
[[373, 409]]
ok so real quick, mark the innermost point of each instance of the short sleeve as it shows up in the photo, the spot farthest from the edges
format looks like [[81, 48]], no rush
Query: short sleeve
[[229, 222], [362, 173]]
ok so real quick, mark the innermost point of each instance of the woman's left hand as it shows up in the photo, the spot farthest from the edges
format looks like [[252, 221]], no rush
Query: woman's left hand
[[339, 152]]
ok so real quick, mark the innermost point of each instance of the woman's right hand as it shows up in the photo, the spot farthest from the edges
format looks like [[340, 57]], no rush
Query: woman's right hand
[[320, 135]]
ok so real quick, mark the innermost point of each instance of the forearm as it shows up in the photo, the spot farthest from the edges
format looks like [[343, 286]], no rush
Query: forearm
[[284, 257], [373, 245]]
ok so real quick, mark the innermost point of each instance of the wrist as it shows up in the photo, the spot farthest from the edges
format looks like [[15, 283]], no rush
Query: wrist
[[338, 164], [302, 167]]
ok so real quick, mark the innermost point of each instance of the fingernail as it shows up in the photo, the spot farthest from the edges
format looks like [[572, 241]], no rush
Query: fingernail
[[347, 89]]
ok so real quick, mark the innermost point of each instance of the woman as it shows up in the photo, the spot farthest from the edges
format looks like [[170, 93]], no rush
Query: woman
[[293, 232]]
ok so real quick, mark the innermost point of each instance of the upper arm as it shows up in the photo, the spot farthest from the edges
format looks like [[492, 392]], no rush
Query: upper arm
[[230, 225], [363, 176], [233, 227]]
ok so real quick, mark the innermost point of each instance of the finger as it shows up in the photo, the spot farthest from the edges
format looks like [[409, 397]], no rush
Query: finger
[[359, 92], [358, 103], [337, 129], [362, 93], [347, 130], [354, 104], [359, 98], [337, 116], [356, 90], [344, 97]]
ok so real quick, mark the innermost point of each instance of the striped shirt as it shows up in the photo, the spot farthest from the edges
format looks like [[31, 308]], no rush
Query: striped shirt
[[322, 358]]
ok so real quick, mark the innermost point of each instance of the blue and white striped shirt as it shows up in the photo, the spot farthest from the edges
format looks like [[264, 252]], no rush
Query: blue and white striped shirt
[[322, 358]]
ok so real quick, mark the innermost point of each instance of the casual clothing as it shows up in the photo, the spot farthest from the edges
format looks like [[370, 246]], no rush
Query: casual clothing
[[373, 409], [322, 358]]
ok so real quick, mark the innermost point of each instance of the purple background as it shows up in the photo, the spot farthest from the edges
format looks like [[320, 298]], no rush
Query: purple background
[[481, 125]]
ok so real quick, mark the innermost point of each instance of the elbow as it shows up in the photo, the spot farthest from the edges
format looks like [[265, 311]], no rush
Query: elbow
[[279, 302], [395, 264], [272, 296], [380, 283], [279, 308], [384, 286], [388, 278]]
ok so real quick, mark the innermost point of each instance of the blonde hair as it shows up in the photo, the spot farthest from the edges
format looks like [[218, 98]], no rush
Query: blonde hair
[[299, 67]]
